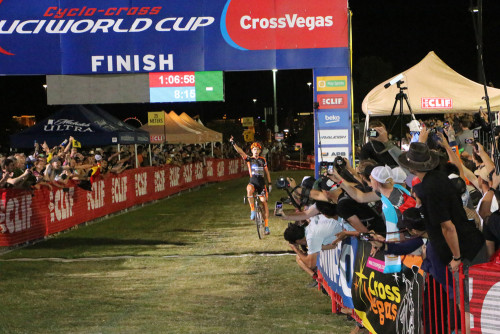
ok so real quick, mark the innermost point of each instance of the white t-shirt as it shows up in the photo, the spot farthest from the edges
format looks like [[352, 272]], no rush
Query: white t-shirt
[[322, 231]]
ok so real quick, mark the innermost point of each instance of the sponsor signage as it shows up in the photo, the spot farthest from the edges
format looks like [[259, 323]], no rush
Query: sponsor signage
[[157, 139], [436, 103], [331, 83], [247, 121], [329, 153], [334, 137], [332, 101], [279, 136], [386, 303], [156, 118], [336, 266], [333, 119], [133, 36]]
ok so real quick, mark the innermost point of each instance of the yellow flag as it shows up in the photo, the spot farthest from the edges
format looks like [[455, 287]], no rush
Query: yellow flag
[[76, 144]]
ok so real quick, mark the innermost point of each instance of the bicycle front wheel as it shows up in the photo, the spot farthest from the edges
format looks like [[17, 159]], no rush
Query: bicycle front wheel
[[259, 221]]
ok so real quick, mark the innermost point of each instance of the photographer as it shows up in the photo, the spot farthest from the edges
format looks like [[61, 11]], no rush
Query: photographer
[[379, 147]]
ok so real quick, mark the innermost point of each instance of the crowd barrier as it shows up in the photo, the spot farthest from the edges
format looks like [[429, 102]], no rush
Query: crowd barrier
[[410, 301], [298, 165], [31, 215]]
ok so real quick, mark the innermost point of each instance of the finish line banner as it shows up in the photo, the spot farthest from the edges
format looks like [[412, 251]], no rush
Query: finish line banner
[[134, 36]]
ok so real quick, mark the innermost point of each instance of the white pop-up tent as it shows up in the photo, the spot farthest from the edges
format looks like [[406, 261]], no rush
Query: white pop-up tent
[[433, 88]]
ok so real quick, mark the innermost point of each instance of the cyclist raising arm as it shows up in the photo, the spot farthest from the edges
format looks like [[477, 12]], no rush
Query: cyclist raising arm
[[257, 168]]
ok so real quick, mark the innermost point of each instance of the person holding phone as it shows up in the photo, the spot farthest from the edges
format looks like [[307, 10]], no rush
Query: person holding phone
[[257, 168]]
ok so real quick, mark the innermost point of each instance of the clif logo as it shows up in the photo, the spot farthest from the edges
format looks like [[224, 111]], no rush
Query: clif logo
[[332, 101], [291, 24]]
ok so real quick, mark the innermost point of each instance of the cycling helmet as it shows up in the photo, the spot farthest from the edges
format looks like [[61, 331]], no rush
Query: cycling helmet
[[256, 145]]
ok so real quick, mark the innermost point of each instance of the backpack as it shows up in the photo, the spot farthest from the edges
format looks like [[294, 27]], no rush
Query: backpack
[[408, 201]]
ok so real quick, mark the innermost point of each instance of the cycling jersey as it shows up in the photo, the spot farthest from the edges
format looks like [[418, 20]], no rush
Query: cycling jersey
[[256, 167]]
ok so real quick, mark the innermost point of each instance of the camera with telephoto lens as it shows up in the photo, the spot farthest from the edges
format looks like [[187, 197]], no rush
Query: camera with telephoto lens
[[339, 163], [282, 183]]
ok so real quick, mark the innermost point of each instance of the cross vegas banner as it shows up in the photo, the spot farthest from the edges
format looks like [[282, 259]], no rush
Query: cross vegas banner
[[134, 36], [386, 303]]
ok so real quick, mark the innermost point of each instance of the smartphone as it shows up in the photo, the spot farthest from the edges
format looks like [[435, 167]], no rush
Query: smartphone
[[372, 133], [323, 168], [330, 169], [446, 124], [278, 209]]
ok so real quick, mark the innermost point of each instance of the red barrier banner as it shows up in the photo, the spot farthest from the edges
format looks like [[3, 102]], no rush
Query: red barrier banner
[[484, 280], [30, 215]]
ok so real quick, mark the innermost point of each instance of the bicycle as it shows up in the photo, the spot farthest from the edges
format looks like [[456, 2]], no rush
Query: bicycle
[[259, 215]]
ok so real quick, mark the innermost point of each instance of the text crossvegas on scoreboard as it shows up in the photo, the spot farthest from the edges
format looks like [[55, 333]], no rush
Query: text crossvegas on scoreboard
[[186, 86]]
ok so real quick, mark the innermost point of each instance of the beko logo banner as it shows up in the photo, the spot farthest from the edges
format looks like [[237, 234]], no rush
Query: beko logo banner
[[334, 137], [333, 119]]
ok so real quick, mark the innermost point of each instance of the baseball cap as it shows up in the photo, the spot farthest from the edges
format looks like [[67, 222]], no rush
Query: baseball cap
[[399, 175], [382, 174]]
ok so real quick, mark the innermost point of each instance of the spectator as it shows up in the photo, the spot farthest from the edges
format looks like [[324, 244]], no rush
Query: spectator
[[451, 235], [465, 140], [380, 148]]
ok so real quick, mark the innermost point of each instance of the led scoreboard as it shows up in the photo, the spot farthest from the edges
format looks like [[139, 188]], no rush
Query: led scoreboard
[[186, 86]]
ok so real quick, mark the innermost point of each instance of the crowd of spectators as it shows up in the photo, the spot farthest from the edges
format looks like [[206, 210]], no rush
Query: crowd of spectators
[[438, 199], [45, 166]]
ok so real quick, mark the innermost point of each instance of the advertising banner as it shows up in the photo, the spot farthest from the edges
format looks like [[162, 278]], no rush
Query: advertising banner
[[25, 216], [133, 36], [337, 268], [386, 303], [332, 115], [484, 282]]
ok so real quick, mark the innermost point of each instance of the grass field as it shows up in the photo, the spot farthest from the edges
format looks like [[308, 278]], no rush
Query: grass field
[[188, 264]]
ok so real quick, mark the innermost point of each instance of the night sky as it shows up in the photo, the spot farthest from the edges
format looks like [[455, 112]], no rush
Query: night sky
[[389, 36]]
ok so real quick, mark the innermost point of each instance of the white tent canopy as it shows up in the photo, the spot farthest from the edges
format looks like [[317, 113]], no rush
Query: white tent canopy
[[433, 88]]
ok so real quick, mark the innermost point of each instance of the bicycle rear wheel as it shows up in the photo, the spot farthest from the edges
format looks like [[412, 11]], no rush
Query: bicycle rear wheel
[[259, 221]]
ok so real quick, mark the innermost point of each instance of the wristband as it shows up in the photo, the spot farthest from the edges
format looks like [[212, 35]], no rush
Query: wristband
[[340, 182], [457, 258], [492, 189]]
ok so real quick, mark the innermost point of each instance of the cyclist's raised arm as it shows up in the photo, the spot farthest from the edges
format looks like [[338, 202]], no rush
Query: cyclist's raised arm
[[237, 148]]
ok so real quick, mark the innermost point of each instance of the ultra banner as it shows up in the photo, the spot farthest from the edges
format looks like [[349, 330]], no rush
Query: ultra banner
[[26, 216], [125, 36], [387, 303]]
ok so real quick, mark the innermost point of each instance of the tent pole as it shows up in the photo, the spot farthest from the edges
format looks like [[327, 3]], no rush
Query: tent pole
[[136, 159], [367, 123], [212, 149], [119, 155]]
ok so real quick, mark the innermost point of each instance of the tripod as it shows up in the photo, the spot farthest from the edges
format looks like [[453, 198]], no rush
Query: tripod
[[399, 98]]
